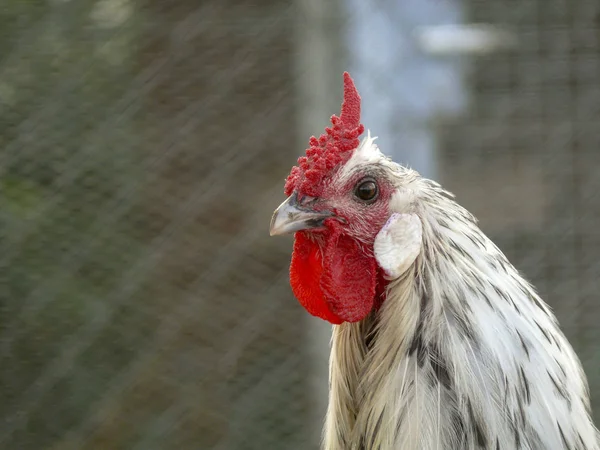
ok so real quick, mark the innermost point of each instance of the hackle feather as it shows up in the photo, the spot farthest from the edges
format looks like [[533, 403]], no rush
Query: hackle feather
[[463, 354]]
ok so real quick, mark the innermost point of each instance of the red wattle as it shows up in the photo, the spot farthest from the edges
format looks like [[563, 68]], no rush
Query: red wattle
[[349, 278], [305, 278], [339, 286]]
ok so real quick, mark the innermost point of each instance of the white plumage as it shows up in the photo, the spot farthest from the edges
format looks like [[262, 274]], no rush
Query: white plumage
[[463, 354]]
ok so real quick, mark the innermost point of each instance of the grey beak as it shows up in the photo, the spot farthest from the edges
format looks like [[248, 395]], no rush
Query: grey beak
[[291, 216]]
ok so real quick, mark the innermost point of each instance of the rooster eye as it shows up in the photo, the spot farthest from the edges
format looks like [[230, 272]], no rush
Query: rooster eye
[[366, 190]]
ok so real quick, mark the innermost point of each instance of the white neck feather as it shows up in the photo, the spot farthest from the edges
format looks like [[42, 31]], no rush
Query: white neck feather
[[462, 355]]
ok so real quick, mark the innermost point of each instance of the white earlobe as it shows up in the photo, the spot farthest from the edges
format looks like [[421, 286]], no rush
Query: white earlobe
[[398, 243]]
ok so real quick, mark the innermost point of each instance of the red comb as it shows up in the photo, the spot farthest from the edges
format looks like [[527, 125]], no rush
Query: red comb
[[333, 148]]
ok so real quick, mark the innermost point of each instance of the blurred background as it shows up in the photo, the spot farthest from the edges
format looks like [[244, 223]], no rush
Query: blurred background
[[144, 145]]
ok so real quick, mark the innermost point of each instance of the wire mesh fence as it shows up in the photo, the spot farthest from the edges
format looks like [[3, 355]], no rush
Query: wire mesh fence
[[143, 147], [525, 158]]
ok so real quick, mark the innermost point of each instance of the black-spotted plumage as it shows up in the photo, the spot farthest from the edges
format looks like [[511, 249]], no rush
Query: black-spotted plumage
[[463, 354]]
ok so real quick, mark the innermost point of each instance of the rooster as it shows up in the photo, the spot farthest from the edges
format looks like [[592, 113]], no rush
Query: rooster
[[438, 342]]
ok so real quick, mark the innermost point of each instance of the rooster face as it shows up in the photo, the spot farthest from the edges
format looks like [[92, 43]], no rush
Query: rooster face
[[343, 205], [354, 201]]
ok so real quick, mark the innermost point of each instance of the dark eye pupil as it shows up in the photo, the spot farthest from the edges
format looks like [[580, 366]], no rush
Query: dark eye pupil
[[366, 190]]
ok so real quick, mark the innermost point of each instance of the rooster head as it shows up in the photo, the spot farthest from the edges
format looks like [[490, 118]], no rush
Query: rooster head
[[349, 207]]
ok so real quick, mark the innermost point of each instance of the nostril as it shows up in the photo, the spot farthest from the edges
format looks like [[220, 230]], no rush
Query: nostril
[[307, 200]]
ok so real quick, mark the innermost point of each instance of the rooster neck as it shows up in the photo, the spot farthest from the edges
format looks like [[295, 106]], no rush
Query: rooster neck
[[462, 354]]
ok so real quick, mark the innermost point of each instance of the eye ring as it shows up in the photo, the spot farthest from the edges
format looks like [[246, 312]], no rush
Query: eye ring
[[366, 190]]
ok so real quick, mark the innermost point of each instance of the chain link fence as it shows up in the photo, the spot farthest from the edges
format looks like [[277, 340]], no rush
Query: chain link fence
[[143, 148]]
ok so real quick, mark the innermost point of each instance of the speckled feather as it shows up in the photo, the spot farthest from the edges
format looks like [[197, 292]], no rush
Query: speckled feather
[[463, 354]]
